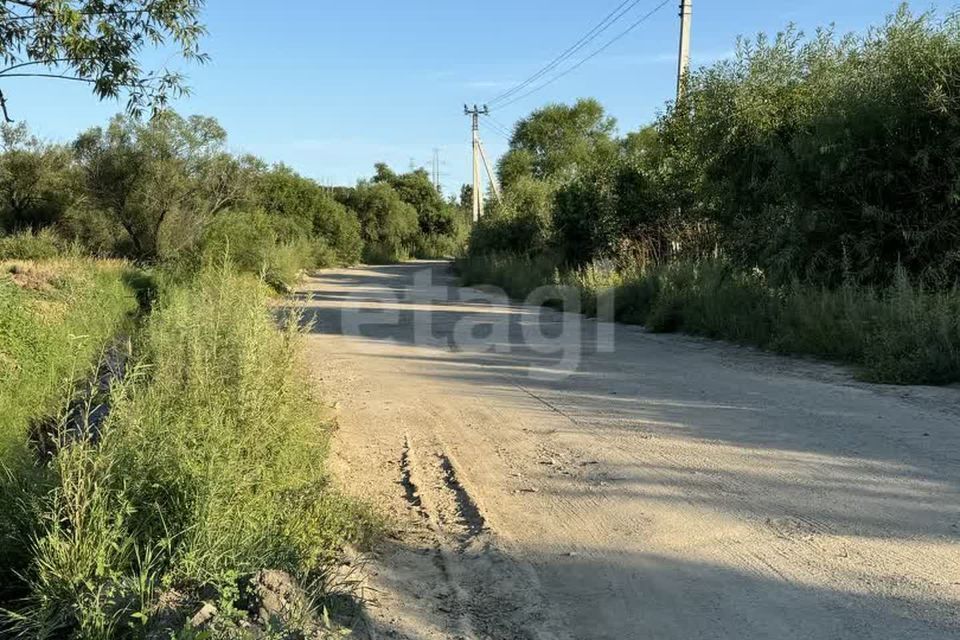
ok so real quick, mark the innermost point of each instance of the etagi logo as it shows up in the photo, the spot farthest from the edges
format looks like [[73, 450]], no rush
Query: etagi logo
[[546, 335]]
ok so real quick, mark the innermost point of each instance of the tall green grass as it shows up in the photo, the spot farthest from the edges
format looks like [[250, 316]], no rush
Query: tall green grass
[[517, 275], [901, 334], [55, 318], [210, 466], [43, 245]]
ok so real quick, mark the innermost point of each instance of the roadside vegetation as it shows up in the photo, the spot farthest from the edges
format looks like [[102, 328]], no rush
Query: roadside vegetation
[[161, 448], [56, 319], [800, 197], [162, 453], [208, 469]]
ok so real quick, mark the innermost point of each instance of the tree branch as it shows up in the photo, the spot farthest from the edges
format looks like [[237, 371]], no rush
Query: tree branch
[[48, 75], [129, 85], [37, 16], [48, 63], [3, 104]]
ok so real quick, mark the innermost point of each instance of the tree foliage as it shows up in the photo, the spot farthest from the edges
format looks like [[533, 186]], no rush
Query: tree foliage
[[389, 224], [35, 187], [558, 142], [169, 169], [167, 190], [824, 159], [312, 209], [434, 215], [101, 43]]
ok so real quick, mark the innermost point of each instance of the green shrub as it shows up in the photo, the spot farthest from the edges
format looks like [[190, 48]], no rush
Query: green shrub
[[337, 228], [900, 334], [435, 246], [211, 465], [35, 181], [388, 224], [42, 245], [828, 158], [522, 225], [376, 253], [828, 323], [95, 232], [262, 245], [591, 282], [915, 338], [324, 256], [517, 275]]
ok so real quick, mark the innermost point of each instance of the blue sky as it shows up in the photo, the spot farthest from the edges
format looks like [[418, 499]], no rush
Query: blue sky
[[331, 87]]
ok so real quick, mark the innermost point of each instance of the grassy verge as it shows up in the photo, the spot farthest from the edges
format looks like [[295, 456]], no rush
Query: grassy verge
[[55, 318], [899, 334], [209, 466]]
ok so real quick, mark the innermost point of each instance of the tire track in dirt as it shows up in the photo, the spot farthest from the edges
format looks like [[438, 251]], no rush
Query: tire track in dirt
[[491, 596]]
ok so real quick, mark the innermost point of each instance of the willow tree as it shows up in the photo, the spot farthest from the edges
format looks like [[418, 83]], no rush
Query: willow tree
[[101, 43]]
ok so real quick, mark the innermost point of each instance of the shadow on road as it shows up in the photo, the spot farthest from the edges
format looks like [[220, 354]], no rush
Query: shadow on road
[[885, 462]]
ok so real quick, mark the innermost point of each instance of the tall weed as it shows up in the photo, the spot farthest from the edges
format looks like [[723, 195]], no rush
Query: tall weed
[[901, 334], [210, 465]]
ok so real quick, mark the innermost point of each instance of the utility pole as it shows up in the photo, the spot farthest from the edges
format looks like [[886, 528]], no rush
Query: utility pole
[[683, 66], [475, 114]]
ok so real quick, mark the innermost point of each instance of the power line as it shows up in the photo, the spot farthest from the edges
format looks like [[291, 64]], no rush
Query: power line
[[597, 52], [507, 130], [586, 39], [502, 132]]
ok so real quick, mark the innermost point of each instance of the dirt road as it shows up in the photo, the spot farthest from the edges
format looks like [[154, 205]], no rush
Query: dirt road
[[671, 489]]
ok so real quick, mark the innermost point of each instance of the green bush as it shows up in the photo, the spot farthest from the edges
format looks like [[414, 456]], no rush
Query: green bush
[[436, 246], [307, 205], [900, 334], [829, 158], [375, 253], [210, 465], [95, 232], [830, 323], [591, 282], [263, 245], [915, 337], [42, 245], [36, 182], [338, 229], [517, 275], [388, 224], [521, 225]]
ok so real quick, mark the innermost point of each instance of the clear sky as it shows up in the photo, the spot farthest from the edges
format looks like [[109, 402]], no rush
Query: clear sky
[[331, 87]]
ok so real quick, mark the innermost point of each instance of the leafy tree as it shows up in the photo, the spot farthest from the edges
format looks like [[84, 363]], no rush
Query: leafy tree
[[826, 158], [442, 226], [35, 181], [557, 142], [100, 42], [308, 205], [170, 169], [465, 202], [434, 215], [389, 225]]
